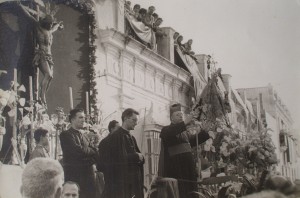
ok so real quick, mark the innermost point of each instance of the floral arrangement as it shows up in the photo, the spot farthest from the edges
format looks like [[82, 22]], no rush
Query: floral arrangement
[[226, 148]]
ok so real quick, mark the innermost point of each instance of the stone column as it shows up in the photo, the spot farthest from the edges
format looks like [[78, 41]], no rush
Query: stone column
[[165, 44], [120, 20]]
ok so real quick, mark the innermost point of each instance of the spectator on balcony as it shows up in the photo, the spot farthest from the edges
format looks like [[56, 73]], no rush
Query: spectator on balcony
[[148, 20], [155, 16], [142, 14], [187, 49], [179, 42], [158, 31], [127, 7], [136, 10], [41, 137], [157, 23], [208, 61], [175, 36]]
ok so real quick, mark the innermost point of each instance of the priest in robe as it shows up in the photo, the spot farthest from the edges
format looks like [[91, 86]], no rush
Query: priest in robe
[[176, 159], [121, 161]]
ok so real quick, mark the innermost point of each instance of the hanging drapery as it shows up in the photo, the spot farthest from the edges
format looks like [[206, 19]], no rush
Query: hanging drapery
[[145, 33], [191, 64]]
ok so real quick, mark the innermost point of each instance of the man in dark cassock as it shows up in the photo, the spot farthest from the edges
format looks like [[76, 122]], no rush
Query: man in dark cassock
[[121, 161], [79, 155], [176, 159], [113, 126]]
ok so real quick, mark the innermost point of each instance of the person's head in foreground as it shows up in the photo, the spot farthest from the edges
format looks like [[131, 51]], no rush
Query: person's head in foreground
[[70, 190], [42, 177], [280, 184], [266, 194]]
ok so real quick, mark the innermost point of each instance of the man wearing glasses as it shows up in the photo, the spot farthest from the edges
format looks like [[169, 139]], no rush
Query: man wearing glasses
[[122, 162]]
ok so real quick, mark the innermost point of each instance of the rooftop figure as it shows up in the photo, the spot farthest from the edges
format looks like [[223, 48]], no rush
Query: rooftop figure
[[127, 7], [148, 20], [136, 10], [187, 49], [155, 16], [158, 31]]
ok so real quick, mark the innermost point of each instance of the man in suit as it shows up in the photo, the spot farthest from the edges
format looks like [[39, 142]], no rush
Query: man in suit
[[79, 155], [122, 161]]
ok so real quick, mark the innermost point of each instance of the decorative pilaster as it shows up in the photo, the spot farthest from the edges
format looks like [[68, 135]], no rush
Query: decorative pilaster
[[168, 84], [120, 16]]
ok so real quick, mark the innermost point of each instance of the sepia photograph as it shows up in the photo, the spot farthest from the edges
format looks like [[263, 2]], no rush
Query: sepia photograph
[[149, 98]]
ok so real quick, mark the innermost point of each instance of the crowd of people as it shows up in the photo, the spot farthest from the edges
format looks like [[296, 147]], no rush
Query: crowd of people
[[148, 18], [186, 48], [152, 20], [117, 157], [120, 162]]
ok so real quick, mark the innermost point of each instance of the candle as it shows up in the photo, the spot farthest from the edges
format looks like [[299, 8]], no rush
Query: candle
[[15, 80], [71, 97], [15, 90], [87, 102], [30, 89], [37, 83]]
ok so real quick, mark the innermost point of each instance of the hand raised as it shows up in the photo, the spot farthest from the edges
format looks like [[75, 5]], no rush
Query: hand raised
[[188, 119]]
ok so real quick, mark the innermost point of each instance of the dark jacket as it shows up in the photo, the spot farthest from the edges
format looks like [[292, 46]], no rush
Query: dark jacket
[[120, 163], [77, 149], [176, 159], [78, 157]]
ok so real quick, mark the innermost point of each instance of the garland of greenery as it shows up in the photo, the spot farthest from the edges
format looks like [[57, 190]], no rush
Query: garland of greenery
[[92, 63]]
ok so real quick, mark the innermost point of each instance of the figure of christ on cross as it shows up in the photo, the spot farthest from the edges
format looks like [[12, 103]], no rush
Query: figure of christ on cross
[[45, 27]]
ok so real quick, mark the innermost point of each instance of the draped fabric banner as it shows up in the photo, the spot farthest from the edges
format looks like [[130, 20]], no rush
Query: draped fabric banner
[[191, 64], [145, 33]]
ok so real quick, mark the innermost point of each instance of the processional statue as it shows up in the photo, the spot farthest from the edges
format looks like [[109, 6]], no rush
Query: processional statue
[[45, 26]]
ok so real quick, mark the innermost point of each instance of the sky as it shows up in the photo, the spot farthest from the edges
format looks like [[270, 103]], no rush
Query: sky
[[257, 42]]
